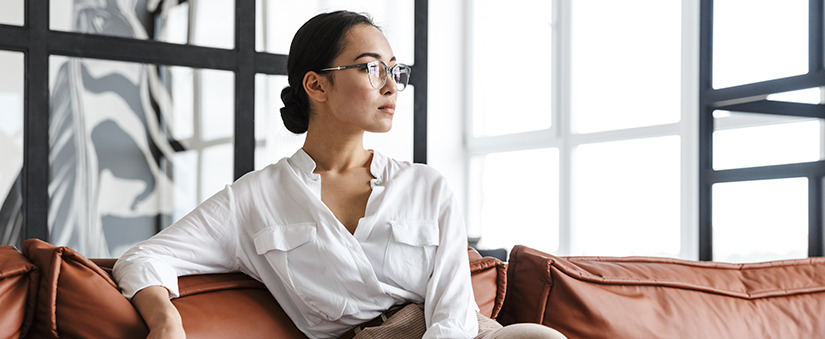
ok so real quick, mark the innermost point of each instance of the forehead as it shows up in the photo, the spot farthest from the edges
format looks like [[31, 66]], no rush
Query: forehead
[[362, 39]]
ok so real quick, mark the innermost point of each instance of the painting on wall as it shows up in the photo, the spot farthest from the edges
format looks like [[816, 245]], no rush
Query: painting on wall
[[110, 154]]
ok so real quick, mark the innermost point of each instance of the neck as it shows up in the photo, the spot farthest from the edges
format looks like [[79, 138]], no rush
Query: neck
[[333, 149]]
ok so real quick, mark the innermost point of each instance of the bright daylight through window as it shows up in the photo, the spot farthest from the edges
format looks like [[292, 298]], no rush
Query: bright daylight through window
[[591, 149]]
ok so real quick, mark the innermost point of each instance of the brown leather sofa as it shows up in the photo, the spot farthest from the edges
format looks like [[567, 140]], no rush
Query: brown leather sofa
[[54, 292]]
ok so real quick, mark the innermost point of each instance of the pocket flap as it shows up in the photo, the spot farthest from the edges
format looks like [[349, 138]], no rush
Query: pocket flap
[[415, 232], [284, 238]]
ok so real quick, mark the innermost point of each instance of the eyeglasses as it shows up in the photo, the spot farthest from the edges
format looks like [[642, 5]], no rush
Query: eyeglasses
[[378, 70]]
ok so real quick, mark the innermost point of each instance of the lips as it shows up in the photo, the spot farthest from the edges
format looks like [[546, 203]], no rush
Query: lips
[[389, 108]]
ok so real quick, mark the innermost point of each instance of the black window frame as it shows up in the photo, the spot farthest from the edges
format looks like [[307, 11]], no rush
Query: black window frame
[[746, 98], [38, 42]]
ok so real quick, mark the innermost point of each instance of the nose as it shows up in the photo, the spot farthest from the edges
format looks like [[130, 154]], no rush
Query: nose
[[390, 87]]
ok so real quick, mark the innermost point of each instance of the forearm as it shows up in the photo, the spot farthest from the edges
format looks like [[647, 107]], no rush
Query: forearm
[[160, 315]]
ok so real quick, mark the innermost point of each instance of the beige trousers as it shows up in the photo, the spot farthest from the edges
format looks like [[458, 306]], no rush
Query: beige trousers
[[409, 323], [491, 329]]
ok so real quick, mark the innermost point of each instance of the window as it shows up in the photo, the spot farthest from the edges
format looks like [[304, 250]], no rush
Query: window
[[578, 141], [633, 112], [761, 130], [11, 142], [153, 108], [12, 14]]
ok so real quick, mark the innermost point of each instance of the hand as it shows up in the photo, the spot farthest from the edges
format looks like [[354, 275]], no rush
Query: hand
[[167, 332], [159, 313]]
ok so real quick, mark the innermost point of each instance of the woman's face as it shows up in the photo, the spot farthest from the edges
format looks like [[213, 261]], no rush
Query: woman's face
[[352, 101]]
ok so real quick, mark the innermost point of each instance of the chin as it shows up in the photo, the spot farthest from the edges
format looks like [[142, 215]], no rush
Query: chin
[[381, 126]]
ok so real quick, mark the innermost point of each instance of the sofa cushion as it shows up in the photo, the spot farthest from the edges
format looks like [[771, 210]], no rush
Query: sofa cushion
[[227, 305], [79, 299], [489, 276], [17, 277], [76, 299], [642, 297]]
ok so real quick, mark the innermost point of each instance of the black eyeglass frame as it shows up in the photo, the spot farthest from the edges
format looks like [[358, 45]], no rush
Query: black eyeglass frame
[[388, 70]]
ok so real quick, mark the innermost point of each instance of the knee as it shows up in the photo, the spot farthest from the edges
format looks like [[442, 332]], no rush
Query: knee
[[528, 331]]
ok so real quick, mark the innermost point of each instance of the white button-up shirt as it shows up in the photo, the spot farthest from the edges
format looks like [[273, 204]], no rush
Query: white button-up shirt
[[271, 224]]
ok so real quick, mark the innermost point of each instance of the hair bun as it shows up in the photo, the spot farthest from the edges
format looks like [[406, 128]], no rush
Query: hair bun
[[294, 113]]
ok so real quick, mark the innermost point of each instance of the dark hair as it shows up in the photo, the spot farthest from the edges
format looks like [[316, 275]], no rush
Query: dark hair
[[314, 47]]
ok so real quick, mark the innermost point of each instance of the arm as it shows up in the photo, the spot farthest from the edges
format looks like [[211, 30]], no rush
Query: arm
[[157, 311], [204, 241], [449, 306]]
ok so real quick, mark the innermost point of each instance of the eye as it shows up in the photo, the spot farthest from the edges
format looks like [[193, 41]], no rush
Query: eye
[[374, 69]]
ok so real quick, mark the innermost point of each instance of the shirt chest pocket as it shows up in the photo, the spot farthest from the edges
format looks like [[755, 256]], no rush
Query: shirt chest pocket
[[302, 263], [410, 253]]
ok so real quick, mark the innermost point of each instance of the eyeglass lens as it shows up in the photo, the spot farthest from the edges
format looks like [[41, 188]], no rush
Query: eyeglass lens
[[378, 74]]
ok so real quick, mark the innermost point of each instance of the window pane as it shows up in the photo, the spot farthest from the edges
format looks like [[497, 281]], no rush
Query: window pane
[[627, 197], [278, 20], [758, 40], [512, 66], [215, 174], [749, 140], [212, 24], [11, 12], [805, 96], [274, 140], [182, 90], [11, 147], [118, 171], [186, 191], [217, 103], [515, 199], [625, 64], [760, 220]]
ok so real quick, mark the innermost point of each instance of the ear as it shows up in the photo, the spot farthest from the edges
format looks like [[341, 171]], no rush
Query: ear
[[315, 85]]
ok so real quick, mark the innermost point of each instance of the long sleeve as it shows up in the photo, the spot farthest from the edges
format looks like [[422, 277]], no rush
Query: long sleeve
[[204, 241], [449, 305]]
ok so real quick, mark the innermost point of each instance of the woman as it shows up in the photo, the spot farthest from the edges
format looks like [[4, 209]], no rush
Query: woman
[[340, 235]]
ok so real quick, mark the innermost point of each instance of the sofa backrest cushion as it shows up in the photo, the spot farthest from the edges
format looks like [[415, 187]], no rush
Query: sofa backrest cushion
[[17, 277], [76, 299], [231, 305], [489, 276], [644, 297], [79, 299]]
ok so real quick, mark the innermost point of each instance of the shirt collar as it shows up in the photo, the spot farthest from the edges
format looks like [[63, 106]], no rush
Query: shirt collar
[[379, 162], [304, 163]]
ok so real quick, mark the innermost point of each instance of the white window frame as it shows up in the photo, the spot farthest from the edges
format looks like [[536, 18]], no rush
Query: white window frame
[[560, 136]]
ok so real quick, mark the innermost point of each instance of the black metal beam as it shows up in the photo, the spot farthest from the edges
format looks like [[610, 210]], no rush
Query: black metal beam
[[36, 123], [804, 169], [244, 87], [705, 130], [14, 38], [793, 109], [815, 36], [816, 62], [84, 45], [815, 217], [419, 81], [722, 95], [270, 63]]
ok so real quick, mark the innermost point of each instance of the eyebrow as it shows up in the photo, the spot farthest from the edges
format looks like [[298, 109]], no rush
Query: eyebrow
[[370, 54]]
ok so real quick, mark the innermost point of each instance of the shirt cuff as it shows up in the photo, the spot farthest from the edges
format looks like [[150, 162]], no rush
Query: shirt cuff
[[134, 279]]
